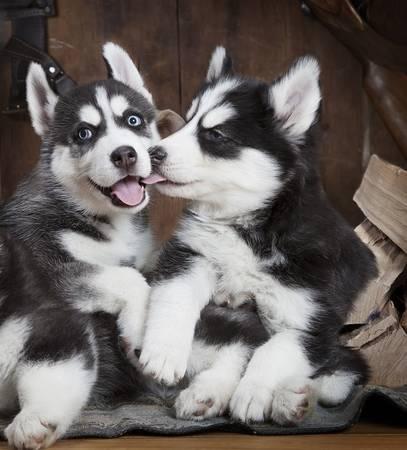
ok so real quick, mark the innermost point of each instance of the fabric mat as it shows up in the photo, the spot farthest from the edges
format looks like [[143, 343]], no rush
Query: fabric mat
[[137, 418]]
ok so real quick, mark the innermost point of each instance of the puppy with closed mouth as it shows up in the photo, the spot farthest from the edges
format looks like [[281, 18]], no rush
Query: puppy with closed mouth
[[258, 231], [74, 239]]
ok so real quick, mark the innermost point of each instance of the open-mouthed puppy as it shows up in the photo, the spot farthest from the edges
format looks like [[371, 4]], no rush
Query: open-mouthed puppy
[[259, 229], [73, 240]]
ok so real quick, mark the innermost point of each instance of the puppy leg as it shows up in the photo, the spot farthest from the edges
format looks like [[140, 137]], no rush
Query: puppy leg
[[51, 396], [175, 306], [210, 391], [54, 376], [125, 292], [277, 382]]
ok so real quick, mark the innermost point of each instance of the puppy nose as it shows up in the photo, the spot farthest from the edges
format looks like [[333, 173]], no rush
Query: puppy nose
[[157, 154], [124, 157]]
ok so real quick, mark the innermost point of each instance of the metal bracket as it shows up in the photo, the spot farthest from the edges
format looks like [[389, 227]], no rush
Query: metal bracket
[[20, 9]]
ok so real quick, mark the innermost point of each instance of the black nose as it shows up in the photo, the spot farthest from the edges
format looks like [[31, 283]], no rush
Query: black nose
[[157, 155], [124, 157]]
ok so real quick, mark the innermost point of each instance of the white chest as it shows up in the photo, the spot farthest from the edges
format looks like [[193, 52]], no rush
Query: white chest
[[125, 242], [231, 257], [242, 276]]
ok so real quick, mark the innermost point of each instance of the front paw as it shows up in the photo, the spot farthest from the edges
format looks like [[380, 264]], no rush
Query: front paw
[[165, 364], [292, 403], [30, 431], [201, 400], [250, 402], [286, 405]]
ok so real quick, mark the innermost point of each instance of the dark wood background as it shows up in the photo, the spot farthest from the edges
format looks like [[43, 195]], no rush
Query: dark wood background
[[171, 40]]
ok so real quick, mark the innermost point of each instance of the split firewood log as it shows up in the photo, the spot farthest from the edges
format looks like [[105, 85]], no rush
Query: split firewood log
[[379, 318]]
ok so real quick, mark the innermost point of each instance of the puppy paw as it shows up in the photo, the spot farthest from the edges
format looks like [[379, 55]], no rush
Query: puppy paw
[[167, 365], [291, 404], [30, 431], [251, 402], [198, 403]]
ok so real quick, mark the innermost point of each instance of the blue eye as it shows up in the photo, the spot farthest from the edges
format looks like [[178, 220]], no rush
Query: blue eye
[[84, 134], [134, 121]]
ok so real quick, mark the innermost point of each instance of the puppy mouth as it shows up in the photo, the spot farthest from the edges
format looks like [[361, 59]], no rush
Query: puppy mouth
[[125, 193]]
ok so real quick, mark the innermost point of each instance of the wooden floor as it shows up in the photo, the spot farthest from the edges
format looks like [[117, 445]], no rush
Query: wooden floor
[[364, 436]]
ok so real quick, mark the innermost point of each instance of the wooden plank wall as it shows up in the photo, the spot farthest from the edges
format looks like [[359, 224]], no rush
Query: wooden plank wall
[[172, 40]]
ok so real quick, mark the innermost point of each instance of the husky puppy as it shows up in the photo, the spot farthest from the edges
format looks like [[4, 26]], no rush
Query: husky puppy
[[73, 240], [258, 230]]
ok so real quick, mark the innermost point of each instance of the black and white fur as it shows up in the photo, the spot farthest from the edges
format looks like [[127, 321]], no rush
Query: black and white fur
[[259, 231], [71, 254]]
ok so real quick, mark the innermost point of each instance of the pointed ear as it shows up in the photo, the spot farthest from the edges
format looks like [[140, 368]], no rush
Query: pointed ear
[[168, 122], [295, 97], [219, 65], [41, 99], [122, 68]]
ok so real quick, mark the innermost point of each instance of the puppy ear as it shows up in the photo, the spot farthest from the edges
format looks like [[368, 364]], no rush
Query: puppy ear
[[219, 65], [122, 68], [41, 99], [296, 96], [168, 122]]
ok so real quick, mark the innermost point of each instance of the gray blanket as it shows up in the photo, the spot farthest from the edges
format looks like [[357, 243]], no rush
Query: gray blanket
[[154, 419]]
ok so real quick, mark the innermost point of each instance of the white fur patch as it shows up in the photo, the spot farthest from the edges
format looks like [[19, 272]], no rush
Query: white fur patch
[[334, 389], [192, 109], [51, 396], [211, 390], [296, 97], [121, 291], [216, 64], [119, 105], [166, 348], [278, 365], [214, 96], [218, 115], [90, 114], [211, 98], [14, 333]]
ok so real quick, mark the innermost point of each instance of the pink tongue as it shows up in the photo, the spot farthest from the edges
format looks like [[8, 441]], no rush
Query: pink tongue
[[153, 179], [129, 191]]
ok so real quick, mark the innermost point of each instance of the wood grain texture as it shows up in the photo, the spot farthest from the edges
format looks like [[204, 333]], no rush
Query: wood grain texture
[[265, 37], [18, 143], [378, 140], [360, 437]]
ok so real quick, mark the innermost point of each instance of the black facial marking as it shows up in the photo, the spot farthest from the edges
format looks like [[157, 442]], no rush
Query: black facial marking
[[66, 124], [133, 120]]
